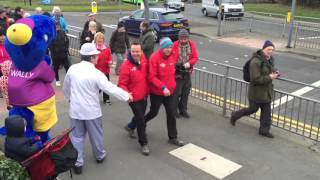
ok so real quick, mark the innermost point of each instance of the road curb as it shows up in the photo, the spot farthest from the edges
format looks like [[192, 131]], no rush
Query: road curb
[[312, 56]]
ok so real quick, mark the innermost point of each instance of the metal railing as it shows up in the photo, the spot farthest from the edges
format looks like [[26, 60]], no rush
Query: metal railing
[[307, 34], [297, 114]]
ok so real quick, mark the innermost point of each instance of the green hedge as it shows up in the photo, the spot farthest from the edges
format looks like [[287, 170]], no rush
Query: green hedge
[[12, 170]]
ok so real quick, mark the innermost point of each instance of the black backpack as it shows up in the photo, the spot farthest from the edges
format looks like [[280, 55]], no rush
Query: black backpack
[[246, 71], [65, 158]]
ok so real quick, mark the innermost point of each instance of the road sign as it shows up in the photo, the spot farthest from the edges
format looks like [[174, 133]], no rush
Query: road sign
[[94, 7]]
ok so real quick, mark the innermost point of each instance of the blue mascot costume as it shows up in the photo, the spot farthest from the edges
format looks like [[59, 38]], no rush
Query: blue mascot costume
[[29, 85]]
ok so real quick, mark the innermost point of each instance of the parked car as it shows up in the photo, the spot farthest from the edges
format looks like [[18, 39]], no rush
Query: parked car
[[176, 4], [232, 8], [165, 22]]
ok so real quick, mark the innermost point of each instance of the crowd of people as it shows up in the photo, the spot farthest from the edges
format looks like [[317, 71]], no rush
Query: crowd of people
[[162, 75]]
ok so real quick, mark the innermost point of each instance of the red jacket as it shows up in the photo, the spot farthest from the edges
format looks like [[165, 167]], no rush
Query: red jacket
[[133, 78], [162, 72], [104, 61], [193, 58]]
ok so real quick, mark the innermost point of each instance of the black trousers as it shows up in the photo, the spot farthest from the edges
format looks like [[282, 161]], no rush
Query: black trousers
[[139, 108], [265, 116], [168, 102], [57, 63], [182, 92], [106, 97]]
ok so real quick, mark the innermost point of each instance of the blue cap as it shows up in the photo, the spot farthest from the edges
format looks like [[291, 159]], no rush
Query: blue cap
[[165, 43]]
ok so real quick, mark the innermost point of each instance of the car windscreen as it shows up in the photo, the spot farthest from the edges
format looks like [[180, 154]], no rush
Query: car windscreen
[[169, 16]]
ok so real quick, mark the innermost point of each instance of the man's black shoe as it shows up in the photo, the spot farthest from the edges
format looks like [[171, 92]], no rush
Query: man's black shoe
[[268, 135], [77, 169], [176, 142], [185, 115], [99, 161]]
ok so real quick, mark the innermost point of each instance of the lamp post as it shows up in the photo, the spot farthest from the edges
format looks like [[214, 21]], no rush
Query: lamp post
[[293, 13]]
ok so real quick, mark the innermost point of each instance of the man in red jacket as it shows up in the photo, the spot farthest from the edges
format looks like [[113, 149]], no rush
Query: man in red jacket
[[162, 86], [133, 79], [187, 58]]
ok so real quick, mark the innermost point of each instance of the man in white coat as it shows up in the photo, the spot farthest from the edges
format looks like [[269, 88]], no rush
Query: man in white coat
[[81, 88]]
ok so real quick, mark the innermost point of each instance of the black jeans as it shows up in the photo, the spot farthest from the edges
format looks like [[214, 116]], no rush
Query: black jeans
[[182, 92], [168, 102], [57, 63], [139, 108], [265, 116]]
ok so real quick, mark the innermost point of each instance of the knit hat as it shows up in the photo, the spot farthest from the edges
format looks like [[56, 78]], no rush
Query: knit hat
[[120, 25], [183, 33], [165, 43], [267, 43]]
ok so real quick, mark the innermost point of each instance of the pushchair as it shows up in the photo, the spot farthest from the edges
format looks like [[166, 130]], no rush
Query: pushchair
[[57, 156]]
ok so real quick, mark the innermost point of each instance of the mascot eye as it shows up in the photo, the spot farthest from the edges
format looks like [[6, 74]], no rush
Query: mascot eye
[[45, 37]]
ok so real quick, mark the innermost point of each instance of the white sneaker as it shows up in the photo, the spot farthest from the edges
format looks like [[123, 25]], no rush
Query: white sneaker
[[58, 83]]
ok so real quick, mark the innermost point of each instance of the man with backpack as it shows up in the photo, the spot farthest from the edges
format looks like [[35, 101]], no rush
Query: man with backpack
[[259, 71]]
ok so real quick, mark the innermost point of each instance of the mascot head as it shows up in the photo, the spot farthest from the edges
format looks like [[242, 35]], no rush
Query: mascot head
[[28, 39]]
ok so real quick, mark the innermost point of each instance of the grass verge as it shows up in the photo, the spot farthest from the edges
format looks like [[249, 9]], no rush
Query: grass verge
[[283, 9]]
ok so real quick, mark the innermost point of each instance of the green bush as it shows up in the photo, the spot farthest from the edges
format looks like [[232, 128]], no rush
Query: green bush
[[12, 170]]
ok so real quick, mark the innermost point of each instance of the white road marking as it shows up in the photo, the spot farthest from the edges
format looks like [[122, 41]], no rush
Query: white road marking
[[236, 58], [210, 41], [306, 38], [206, 161], [200, 43], [72, 35], [204, 67], [75, 27], [112, 26], [246, 55], [298, 92], [226, 61]]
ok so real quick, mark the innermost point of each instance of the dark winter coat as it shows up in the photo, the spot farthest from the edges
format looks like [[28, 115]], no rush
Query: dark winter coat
[[16, 17], [86, 37], [59, 48], [3, 24], [119, 42], [17, 146], [261, 87], [147, 42], [99, 27]]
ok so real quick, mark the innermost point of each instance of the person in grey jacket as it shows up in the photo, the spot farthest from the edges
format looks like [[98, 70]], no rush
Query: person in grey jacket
[[147, 39], [119, 43], [260, 93]]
